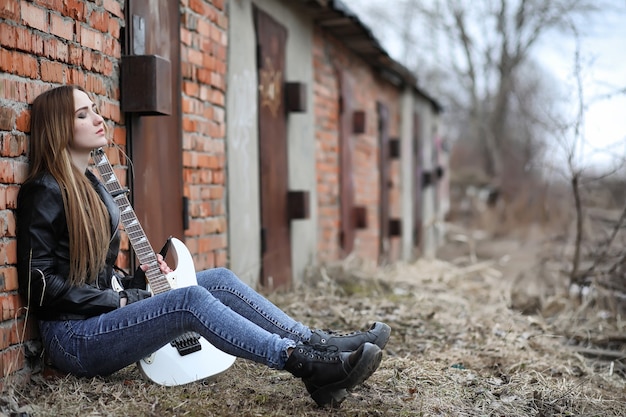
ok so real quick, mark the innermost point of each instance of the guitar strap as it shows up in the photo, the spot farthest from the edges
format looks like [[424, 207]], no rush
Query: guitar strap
[[166, 247]]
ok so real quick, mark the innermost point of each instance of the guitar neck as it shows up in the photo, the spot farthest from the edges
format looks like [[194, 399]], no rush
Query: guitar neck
[[136, 235]]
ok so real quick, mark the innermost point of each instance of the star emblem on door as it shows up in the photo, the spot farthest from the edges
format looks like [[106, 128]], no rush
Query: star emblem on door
[[270, 87]]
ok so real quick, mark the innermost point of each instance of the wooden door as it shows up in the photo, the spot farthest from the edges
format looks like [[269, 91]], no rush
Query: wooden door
[[275, 224], [384, 217], [155, 142]]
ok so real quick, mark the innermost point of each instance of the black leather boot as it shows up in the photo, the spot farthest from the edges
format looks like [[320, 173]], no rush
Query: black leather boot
[[328, 374], [377, 334]]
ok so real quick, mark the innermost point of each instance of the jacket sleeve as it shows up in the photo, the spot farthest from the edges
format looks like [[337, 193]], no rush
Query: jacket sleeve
[[138, 280], [42, 247]]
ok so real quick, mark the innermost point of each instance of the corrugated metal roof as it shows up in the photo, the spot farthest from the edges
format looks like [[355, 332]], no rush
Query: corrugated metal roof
[[335, 17]]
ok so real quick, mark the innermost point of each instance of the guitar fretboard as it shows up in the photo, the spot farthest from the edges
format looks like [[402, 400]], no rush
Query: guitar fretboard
[[138, 239]]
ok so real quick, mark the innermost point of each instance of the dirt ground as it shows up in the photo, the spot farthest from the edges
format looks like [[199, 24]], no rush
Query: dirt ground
[[457, 348]]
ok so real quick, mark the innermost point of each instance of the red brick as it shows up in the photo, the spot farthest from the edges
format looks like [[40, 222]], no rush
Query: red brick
[[204, 28], [19, 328], [90, 38], [8, 252], [74, 9], [203, 131], [211, 243], [9, 278], [119, 135], [216, 192], [7, 223], [7, 118], [6, 172], [195, 57], [11, 306], [99, 21], [52, 71], [27, 66], [113, 28], [10, 9], [20, 173], [221, 258], [22, 122], [75, 55], [195, 228], [11, 195], [6, 334], [76, 77], [13, 144], [34, 41], [10, 222], [204, 260], [8, 36], [34, 16], [204, 75], [191, 89], [62, 27], [93, 61], [185, 36], [114, 7], [56, 50], [222, 21]]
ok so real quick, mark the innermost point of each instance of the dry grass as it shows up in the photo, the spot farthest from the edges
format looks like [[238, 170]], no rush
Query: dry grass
[[456, 350]]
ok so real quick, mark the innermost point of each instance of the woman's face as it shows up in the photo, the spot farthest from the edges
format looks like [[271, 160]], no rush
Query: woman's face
[[89, 130]]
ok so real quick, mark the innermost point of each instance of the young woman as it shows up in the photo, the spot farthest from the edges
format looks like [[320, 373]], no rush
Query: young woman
[[67, 246]]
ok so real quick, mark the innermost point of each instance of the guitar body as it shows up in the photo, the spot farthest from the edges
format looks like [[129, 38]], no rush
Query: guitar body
[[189, 357], [167, 366]]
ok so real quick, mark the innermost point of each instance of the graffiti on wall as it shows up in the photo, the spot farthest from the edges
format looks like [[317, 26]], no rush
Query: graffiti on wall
[[270, 87]]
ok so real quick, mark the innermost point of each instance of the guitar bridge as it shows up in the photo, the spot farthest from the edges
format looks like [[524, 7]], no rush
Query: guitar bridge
[[187, 343]]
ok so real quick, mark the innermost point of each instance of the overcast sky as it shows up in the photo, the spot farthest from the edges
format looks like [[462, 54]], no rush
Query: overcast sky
[[604, 72], [603, 56]]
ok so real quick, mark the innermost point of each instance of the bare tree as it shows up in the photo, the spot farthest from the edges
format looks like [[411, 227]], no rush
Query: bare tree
[[603, 258], [488, 45], [509, 30]]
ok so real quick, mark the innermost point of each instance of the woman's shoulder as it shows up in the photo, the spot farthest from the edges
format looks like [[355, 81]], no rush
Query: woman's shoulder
[[43, 184]]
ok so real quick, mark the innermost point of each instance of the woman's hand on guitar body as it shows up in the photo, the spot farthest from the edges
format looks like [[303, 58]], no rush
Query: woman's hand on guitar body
[[132, 295]]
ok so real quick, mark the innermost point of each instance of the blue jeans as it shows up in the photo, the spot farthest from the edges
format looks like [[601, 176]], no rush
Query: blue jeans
[[224, 310]]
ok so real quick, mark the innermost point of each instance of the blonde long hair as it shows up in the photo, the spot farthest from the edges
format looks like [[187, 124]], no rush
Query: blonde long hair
[[51, 133]]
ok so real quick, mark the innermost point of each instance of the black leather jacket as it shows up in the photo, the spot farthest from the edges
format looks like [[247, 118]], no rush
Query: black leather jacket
[[43, 254]]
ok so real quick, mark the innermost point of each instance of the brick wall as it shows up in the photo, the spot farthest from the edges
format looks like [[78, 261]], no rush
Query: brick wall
[[326, 108], [204, 28], [44, 43], [330, 53]]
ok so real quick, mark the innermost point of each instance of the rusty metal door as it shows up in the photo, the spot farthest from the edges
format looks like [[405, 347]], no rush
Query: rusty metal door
[[383, 146], [155, 142], [346, 182], [417, 184], [275, 223]]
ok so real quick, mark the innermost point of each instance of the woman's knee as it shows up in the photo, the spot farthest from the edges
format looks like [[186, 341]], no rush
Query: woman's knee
[[187, 295], [218, 277]]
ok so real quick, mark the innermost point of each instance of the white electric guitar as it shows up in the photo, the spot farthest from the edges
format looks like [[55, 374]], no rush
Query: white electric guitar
[[189, 357]]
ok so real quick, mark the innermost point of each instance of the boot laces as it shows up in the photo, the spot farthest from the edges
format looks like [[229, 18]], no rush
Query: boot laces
[[326, 334], [322, 352], [334, 333]]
